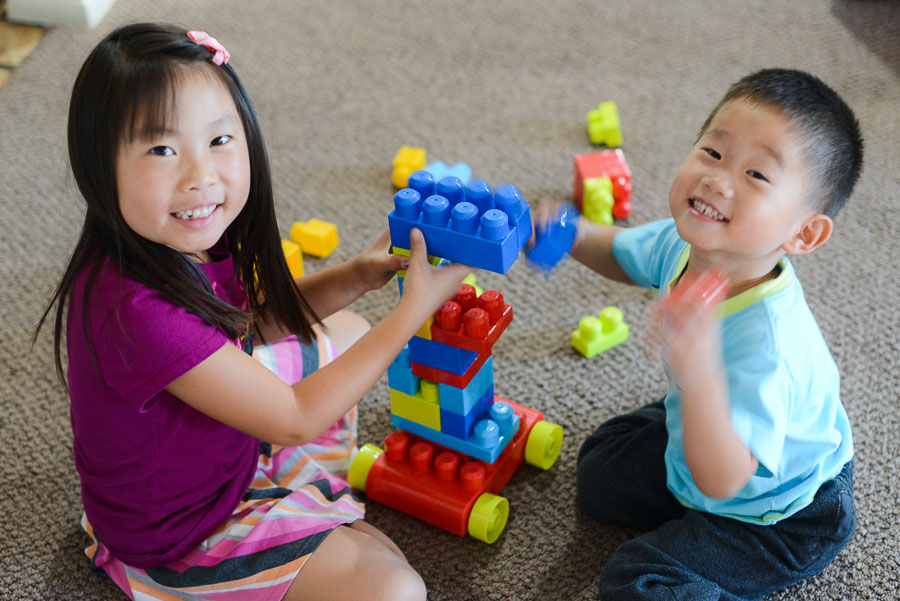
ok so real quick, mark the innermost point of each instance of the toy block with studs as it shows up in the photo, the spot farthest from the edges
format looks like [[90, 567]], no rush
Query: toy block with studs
[[471, 322], [446, 488], [293, 255], [598, 200], [458, 230], [597, 334], [408, 160], [605, 163], [603, 125], [440, 170], [316, 237]]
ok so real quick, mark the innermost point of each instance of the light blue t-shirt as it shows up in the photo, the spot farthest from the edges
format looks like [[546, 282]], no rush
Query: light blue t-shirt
[[783, 385]]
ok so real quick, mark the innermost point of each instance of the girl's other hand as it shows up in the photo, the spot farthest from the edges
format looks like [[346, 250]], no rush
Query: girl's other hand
[[427, 287], [375, 266]]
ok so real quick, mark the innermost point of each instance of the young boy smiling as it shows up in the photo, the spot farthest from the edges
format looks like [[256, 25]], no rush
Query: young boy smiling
[[742, 476]]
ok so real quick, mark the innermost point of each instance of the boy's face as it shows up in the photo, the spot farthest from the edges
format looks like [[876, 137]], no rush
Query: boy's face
[[739, 196]]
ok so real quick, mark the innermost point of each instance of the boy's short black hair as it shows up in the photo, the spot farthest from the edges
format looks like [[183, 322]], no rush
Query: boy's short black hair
[[829, 131]]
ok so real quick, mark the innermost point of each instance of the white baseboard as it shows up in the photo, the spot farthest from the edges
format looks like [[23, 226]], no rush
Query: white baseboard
[[82, 13]]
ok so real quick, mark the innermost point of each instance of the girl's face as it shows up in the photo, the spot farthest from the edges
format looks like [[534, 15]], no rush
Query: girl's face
[[185, 187]]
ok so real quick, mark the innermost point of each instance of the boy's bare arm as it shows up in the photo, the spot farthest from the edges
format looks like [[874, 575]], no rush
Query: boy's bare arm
[[720, 463], [593, 248]]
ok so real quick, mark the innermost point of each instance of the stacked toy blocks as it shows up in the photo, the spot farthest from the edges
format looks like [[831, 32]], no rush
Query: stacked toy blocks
[[442, 384], [604, 164], [465, 223]]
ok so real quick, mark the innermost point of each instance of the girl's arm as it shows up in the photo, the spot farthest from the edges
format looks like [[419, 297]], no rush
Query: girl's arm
[[237, 390], [336, 287], [720, 463]]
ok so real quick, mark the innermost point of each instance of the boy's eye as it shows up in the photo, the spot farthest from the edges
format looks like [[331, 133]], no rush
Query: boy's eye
[[162, 151], [220, 140], [713, 153], [757, 175]]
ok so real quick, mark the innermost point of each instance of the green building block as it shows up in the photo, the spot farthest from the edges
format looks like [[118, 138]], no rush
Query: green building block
[[603, 125], [597, 334], [598, 200]]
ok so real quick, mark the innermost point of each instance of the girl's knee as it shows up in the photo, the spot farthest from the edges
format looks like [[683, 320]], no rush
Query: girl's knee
[[402, 584]]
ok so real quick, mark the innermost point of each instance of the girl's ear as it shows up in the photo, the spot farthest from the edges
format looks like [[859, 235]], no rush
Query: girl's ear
[[811, 234]]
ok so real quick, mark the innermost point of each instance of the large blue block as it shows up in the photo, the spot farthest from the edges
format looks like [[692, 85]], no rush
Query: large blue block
[[461, 400], [488, 439], [440, 356], [461, 231]]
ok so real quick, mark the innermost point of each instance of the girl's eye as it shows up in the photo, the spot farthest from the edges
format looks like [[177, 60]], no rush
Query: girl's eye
[[220, 140], [162, 151], [757, 175], [713, 153]]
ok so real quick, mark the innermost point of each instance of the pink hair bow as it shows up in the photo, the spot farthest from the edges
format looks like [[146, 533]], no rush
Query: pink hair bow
[[219, 54]]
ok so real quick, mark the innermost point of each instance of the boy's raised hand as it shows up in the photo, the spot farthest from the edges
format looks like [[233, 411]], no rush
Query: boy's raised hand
[[690, 332], [427, 287]]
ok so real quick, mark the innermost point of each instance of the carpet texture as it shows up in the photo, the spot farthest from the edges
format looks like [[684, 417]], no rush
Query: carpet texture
[[503, 86]]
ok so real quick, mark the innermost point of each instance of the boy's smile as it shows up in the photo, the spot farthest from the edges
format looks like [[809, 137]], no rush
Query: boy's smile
[[184, 187], [740, 195]]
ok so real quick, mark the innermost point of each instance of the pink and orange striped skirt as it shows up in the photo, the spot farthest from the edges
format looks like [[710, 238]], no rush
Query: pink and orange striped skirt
[[299, 495]]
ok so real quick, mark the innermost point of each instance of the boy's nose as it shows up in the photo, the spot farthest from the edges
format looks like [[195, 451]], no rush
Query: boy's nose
[[718, 184]]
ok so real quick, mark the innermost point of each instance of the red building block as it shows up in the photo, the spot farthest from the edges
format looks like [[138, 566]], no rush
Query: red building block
[[605, 163], [439, 485], [472, 323], [447, 377]]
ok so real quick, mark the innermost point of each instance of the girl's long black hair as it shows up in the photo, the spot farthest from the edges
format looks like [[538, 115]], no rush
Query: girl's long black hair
[[124, 91]]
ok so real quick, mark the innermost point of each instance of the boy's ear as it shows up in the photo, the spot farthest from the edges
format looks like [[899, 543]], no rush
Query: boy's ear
[[812, 234]]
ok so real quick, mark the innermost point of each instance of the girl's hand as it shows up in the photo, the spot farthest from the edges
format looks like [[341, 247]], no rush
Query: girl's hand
[[427, 287], [375, 266]]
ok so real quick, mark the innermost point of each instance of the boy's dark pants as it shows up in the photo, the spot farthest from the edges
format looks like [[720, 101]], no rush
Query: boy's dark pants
[[687, 554]]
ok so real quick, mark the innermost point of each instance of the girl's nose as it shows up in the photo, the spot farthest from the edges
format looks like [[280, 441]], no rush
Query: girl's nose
[[719, 184], [198, 175]]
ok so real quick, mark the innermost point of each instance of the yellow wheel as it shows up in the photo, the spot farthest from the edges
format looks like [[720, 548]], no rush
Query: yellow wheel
[[362, 463], [544, 444], [488, 517]]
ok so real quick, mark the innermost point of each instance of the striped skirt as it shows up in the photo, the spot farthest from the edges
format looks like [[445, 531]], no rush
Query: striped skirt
[[296, 499]]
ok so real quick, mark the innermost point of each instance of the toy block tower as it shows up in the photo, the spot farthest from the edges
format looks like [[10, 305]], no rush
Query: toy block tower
[[442, 384]]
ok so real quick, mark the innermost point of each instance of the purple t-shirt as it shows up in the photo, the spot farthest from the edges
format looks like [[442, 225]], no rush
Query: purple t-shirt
[[157, 476]]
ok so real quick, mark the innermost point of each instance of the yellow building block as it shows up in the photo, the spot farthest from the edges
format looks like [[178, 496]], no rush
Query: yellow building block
[[316, 237], [408, 160], [405, 253], [598, 200], [294, 257], [422, 408], [603, 125], [425, 330]]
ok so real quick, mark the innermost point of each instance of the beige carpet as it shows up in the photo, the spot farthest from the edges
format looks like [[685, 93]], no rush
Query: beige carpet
[[503, 86]]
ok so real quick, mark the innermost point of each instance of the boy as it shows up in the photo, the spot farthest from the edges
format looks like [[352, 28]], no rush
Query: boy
[[742, 477]]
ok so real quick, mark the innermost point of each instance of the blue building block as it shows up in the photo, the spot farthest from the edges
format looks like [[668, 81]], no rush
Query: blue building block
[[555, 239], [462, 233], [461, 400], [440, 170], [488, 439], [440, 356], [400, 375], [459, 425]]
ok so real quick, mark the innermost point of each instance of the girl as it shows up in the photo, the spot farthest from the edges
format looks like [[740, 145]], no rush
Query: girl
[[178, 268]]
